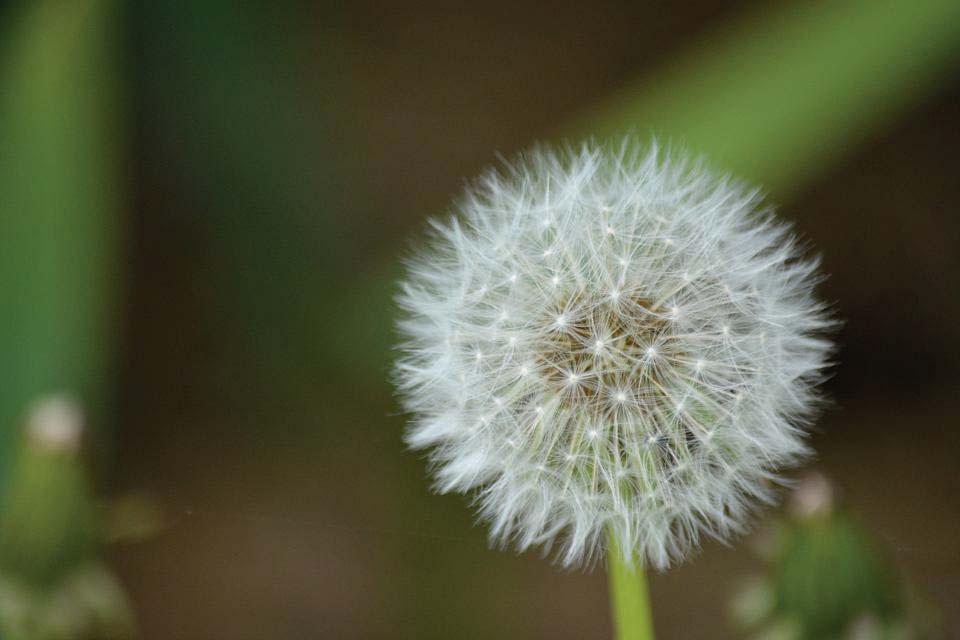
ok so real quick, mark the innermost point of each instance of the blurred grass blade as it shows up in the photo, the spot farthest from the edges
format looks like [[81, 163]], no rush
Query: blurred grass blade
[[58, 203], [780, 97]]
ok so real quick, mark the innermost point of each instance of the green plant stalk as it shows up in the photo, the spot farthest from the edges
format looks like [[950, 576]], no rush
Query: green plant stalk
[[629, 596], [59, 198]]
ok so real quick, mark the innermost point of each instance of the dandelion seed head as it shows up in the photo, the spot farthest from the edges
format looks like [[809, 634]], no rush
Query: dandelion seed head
[[667, 340]]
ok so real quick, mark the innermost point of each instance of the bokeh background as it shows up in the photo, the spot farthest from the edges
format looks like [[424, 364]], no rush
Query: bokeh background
[[202, 210]]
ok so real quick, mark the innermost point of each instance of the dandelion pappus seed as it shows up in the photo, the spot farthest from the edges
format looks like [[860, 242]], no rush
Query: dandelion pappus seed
[[637, 333]]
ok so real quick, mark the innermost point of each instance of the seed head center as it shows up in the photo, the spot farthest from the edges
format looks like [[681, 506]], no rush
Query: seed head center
[[598, 351]]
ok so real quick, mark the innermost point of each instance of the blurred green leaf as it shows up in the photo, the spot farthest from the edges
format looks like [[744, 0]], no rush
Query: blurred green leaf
[[58, 203], [783, 95]]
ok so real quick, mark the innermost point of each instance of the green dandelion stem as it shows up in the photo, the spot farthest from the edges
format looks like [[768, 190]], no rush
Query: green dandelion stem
[[629, 596]]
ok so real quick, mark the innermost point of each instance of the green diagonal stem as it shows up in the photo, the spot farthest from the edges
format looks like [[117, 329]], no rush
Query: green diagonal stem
[[779, 96]]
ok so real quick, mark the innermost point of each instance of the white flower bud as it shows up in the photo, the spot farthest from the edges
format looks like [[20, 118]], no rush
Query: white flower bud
[[56, 423], [643, 357]]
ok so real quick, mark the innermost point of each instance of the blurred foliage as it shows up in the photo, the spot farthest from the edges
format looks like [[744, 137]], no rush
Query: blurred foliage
[[782, 96], [46, 512], [88, 604], [248, 99], [827, 580], [59, 200], [827, 576], [52, 587]]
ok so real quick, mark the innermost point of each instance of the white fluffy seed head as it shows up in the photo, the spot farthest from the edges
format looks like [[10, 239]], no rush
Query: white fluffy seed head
[[611, 340]]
